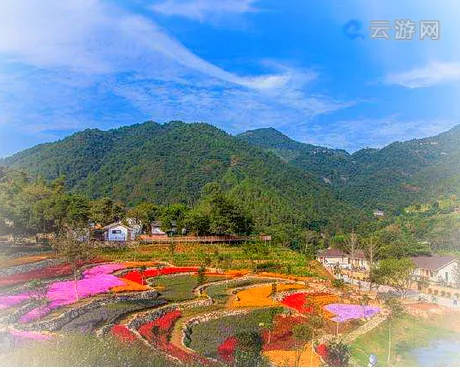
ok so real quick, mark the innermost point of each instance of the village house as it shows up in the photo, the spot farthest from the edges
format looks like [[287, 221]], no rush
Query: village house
[[436, 269], [378, 213], [118, 232], [156, 229], [331, 257]]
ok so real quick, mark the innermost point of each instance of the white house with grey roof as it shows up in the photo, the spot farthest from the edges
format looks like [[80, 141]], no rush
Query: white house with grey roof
[[436, 269]]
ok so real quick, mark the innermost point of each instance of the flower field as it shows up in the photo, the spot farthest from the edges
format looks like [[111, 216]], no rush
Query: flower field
[[282, 358], [346, 312], [260, 296], [105, 297], [141, 277], [306, 302]]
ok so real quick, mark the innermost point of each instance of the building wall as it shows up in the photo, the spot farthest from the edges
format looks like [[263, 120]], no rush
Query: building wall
[[334, 260], [449, 270], [434, 276], [117, 233]]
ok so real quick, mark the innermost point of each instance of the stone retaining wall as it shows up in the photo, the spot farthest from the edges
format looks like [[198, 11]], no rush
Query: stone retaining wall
[[13, 270], [66, 317]]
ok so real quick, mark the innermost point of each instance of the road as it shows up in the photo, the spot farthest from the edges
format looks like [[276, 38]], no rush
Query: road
[[412, 294]]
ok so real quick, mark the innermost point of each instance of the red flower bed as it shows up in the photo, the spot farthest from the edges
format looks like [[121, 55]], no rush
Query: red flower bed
[[298, 302], [140, 277], [158, 333], [321, 349], [40, 274], [227, 349], [162, 326], [281, 336], [123, 333]]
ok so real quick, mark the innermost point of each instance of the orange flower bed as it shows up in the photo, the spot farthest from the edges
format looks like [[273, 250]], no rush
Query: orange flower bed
[[27, 259], [283, 358], [230, 274], [140, 264], [129, 286], [260, 296]]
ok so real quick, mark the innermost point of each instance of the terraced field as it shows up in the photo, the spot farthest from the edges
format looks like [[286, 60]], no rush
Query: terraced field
[[145, 302]]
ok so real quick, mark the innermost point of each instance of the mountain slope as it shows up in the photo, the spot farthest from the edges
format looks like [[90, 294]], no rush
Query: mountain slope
[[328, 164], [172, 162], [390, 178]]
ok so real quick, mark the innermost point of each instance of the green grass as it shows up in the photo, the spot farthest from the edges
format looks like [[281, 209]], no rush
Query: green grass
[[179, 288], [206, 337], [82, 351], [408, 333], [289, 261]]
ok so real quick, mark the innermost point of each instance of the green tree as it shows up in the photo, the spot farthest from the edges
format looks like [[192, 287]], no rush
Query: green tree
[[395, 309], [75, 250], [248, 351], [303, 334], [201, 276], [338, 354], [397, 273]]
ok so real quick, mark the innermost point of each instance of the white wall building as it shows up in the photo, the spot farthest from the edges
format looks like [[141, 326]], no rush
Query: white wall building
[[436, 268], [118, 232]]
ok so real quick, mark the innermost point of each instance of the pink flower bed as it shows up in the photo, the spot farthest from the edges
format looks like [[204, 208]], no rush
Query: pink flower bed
[[95, 281], [346, 312], [29, 335]]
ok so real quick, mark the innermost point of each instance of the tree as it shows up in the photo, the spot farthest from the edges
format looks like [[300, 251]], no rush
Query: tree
[[397, 273], [395, 309], [248, 350], [372, 249], [73, 247], [105, 210], [217, 214], [173, 215], [338, 354], [144, 213], [39, 291], [457, 276], [201, 275], [303, 333], [351, 246]]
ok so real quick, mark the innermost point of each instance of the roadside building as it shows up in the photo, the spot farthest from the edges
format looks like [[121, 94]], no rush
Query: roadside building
[[118, 232], [436, 269]]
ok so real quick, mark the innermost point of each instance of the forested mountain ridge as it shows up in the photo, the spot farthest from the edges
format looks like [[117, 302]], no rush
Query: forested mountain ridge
[[390, 178], [171, 163]]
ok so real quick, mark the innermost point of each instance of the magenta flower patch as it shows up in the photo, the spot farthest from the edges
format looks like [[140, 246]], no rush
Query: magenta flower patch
[[96, 280]]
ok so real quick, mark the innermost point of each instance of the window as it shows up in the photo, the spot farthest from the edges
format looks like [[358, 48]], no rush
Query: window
[[116, 231]]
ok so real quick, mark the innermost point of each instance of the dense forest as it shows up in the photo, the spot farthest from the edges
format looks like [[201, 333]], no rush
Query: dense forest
[[265, 181], [391, 178]]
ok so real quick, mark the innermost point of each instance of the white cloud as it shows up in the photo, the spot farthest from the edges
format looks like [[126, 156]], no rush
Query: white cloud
[[78, 64], [370, 132], [203, 10], [432, 74]]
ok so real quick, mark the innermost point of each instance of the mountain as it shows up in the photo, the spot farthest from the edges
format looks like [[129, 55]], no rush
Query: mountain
[[167, 163], [390, 178], [281, 182], [328, 164]]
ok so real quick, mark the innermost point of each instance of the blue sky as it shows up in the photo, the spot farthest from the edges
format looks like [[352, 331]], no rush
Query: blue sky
[[305, 67]]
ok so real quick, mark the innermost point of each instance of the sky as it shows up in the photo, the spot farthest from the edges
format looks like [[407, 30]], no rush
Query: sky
[[308, 68]]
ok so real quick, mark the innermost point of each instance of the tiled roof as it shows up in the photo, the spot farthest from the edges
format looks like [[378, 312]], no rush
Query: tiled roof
[[432, 263], [331, 253]]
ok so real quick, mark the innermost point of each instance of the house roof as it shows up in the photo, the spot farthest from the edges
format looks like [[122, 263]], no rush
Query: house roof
[[115, 224], [432, 263], [359, 254], [331, 253]]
